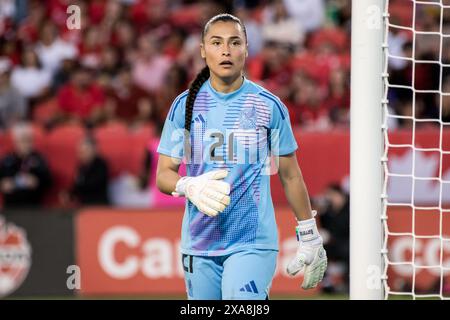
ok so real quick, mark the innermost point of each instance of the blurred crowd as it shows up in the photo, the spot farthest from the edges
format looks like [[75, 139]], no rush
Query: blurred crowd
[[131, 58]]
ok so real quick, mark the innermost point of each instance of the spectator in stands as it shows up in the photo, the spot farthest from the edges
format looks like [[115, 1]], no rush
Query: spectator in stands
[[308, 100], [172, 43], [24, 174], [253, 28], [28, 29], [30, 78], [112, 12], [338, 98], [110, 62], [134, 191], [335, 220], [445, 100], [404, 108], [13, 105], [123, 37], [272, 67], [278, 26], [92, 177], [311, 13], [90, 50], [68, 67], [52, 50], [150, 67], [7, 11], [9, 49], [82, 99], [127, 102], [339, 13], [176, 82], [398, 39]]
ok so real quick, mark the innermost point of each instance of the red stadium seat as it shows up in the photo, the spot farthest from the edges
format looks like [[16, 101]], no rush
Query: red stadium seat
[[115, 146], [60, 151], [44, 112], [139, 141]]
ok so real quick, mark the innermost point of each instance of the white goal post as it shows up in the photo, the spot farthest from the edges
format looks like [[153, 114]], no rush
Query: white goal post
[[366, 149]]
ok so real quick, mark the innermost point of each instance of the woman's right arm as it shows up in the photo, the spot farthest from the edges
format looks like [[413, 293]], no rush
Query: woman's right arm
[[167, 173]]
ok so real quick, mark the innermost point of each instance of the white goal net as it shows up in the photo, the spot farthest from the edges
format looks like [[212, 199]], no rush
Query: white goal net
[[416, 160]]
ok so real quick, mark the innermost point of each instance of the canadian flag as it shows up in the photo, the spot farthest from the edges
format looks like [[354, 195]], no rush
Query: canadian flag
[[425, 185], [15, 257]]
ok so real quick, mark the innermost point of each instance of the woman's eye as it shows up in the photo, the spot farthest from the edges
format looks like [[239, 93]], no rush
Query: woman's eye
[[216, 43], [236, 43]]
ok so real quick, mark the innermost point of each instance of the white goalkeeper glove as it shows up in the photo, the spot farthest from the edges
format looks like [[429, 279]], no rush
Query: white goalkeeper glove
[[207, 192], [310, 254]]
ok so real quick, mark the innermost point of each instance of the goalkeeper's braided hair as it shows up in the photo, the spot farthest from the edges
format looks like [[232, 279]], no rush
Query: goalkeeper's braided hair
[[203, 75], [195, 86]]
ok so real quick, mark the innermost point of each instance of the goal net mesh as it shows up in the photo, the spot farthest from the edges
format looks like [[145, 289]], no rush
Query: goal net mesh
[[416, 160]]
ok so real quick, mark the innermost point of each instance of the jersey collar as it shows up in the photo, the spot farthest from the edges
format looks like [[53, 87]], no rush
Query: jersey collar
[[226, 96]]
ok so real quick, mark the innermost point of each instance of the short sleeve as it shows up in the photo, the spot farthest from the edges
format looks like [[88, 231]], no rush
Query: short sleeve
[[172, 136], [282, 139]]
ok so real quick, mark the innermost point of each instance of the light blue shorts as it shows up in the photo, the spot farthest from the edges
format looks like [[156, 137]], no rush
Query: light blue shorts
[[244, 275]]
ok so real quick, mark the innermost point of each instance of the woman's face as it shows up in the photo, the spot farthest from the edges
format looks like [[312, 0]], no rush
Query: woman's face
[[92, 38], [29, 59], [224, 47], [48, 34]]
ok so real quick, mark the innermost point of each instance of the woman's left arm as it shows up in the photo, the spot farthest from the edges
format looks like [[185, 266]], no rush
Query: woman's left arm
[[310, 255], [294, 187]]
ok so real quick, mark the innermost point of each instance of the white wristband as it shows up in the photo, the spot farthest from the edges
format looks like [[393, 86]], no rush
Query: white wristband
[[306, 231]]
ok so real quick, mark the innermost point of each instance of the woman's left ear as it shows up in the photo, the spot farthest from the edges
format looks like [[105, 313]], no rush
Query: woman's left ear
[[202, 51]]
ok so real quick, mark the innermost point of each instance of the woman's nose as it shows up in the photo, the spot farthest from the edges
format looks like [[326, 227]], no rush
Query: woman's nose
[[226, 51]]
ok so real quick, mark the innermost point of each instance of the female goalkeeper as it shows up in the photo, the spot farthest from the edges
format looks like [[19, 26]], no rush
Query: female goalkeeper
[[227, 128]]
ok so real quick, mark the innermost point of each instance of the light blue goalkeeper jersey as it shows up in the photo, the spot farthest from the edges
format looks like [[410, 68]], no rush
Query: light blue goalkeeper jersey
[[237, 131]]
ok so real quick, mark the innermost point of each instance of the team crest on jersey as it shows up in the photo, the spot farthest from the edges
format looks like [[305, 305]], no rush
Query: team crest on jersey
[[247, 119], [15, 257]]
